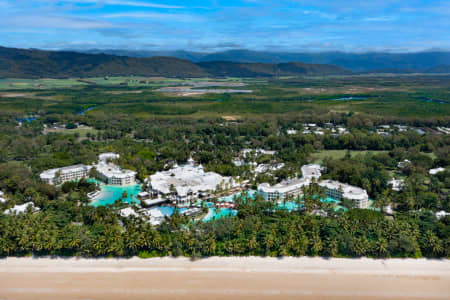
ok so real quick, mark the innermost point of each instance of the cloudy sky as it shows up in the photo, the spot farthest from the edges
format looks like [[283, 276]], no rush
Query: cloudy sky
[[214, 25]]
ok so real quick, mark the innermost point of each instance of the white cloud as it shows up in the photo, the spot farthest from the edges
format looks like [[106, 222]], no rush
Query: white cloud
[[157, 16], [126, 3]]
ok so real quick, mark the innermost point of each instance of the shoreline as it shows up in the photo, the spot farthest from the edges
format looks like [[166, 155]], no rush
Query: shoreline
[[224, 277]]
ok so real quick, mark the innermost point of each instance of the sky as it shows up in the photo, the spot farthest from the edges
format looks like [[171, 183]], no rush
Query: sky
[[218, 25]]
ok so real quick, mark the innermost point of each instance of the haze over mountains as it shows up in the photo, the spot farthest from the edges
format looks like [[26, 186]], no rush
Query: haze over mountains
[[26, 63], [356, 62], [32, 63]]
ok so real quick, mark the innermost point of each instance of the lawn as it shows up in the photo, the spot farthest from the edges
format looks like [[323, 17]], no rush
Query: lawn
[[338, 154]]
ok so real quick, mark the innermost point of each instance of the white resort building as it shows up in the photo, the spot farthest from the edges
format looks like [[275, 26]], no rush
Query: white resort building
[[290, 188], [293, 188], [108, 172], [187, 183], [64, 174], [338, 190], [113, 174], [282, 190]]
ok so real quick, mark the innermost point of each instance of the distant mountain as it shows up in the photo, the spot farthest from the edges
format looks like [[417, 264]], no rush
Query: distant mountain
[[22, 63], [357, 62], [439, 69], [192, 56], [223, 68]]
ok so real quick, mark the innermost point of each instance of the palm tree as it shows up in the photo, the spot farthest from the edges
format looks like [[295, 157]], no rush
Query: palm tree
[[382, 247], [316, 243], [332, 247], [383, 200]]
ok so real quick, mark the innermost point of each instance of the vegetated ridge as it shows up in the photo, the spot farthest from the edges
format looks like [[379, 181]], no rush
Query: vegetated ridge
[[31, 63], [369, 62]]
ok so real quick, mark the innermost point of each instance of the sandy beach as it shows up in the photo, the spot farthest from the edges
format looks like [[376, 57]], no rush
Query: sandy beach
[[223, 278]]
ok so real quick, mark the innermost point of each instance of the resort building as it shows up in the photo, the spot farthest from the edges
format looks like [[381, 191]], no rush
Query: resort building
[[311, 171], [108, 172], [2, 199], [396, 184], [61, 175], [293, 188], [246, 152], [338, 190], [290, 188], [185, 184], [108, 156], [113, 174], [283, 190]]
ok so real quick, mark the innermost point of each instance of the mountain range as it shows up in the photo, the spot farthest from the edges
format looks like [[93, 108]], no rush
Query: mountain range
[[32, 63], [378, 62]]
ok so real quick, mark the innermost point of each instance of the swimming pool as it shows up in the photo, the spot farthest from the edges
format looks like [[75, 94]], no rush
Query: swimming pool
[[250, 193], [110, 193], [214, 214]]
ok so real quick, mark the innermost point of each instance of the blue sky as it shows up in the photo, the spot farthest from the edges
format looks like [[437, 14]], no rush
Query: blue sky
[[215, 25]]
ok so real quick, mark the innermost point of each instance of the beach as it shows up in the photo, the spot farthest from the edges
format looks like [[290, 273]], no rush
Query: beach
[[223, 278]]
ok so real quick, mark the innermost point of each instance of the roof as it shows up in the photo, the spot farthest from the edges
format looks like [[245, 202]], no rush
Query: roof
[[17, 209], [311, 171], [348, 191], [187, 178], [127, 212], [108, 155], [50, 174], [436, 170], [113, 171], [284, 186]]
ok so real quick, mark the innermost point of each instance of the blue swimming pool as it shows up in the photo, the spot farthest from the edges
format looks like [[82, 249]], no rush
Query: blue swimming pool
[[110, 193], [216, 214]]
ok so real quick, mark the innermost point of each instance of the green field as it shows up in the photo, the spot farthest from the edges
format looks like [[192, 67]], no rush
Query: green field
[[338, 154], [401, 96]]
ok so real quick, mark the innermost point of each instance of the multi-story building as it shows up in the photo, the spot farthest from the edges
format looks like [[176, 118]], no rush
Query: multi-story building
[[113, 174], [61, 175], [108, 172], [283, 190], [186, 184], [338, 190], [312, 172]]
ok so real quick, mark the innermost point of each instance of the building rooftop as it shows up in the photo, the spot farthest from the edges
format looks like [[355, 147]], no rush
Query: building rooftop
[[50, 174], [284, 186], [113, 171], [311, 171], [108, 155], [348, 191], [17, 209], [187, 178]]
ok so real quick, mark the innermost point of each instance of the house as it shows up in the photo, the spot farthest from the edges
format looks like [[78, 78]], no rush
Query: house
[[396, 184], [436, 170], [20, 209]]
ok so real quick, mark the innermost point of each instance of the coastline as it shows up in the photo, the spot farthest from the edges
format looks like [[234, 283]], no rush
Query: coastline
[[224, 277]]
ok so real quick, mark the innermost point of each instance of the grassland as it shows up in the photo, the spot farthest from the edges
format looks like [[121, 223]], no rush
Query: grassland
[[400, 96], [338, 154]]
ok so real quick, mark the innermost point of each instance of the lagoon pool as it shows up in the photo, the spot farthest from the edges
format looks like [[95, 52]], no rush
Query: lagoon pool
[[167, 211], [213, 214], [251, 195], [110, 193]]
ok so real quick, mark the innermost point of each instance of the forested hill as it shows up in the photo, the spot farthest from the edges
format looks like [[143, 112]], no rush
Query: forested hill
[[24, 63], [356, 62]]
